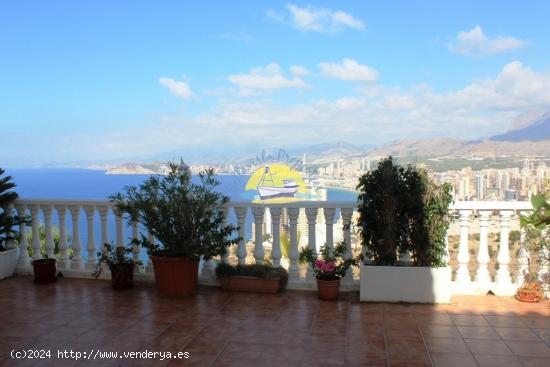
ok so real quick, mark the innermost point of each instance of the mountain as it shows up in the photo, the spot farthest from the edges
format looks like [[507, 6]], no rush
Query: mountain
[[536, 130], [340, 148]]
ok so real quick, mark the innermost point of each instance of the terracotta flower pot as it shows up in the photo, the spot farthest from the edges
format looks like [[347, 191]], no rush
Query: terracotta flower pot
[[328, 290], [176, 276], [237, 283], [44, 271], [122, 276], [530, 292]]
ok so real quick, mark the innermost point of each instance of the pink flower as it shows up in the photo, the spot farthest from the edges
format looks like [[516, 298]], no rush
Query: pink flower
[[319, 264], [329, 266]]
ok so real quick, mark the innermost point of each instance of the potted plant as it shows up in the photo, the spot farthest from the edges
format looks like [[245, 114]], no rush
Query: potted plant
[[186, 219], [536, 241], [120, 263], [252, 278], [329, 267], [45, 271], [8, 220], [402, 211]]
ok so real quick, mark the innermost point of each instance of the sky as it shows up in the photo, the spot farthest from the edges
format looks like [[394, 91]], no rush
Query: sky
[[99, 80]]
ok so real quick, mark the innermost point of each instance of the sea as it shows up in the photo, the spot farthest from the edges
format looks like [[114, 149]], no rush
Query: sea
[[88, 184]]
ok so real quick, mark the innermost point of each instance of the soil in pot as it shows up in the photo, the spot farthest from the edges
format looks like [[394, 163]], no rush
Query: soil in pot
[[44, 271], [176, 276], [122, 276], [328, 290]]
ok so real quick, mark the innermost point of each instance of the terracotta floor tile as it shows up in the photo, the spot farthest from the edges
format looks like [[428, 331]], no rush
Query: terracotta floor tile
[[469, 320], [516, 333], [536, 322], [487, 346], [478, 332], [486, 360], [529, 349], [505, 321], [440, 331], [544, 334], [534, 361], [446, 345], [453, 360], [437, 319]]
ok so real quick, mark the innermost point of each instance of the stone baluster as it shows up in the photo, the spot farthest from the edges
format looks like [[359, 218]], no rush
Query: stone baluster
[[49, 244], [224, 257], [293, 270], [10, 243], [24, 261], [241, 246], [258, 213], [329, 223], [35, 209], [62, 261], [447, 254], [462, 274], [311, 214], [103, 215], [483, 278], [149, 266], [135, 236], [75, 217], [119, 229], [523, 256], [276, 231], [543, 264], [347, 213], [90, 246], [503, 278]]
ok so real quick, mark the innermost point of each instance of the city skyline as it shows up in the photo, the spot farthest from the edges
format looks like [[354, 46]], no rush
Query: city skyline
[[99, 82]]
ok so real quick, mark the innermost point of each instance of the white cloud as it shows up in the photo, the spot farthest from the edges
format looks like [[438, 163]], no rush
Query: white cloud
[[178, 88], [298, 70], [314, 19], [348, 69], [266, 78], [239, 36], [477, 44]]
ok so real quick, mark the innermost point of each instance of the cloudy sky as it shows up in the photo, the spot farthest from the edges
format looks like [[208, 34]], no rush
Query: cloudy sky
[[94, 80]]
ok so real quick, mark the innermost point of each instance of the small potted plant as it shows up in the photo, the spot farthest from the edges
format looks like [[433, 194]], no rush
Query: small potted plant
[[329, 267], [252, 278], [120, 263], [8, 252], [537, 241], [45, 271]]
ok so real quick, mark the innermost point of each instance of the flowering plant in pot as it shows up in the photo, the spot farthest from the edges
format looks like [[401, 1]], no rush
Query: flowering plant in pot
[[8, 251], [329, 267], [257, 278], [120, 263], [185, 216], [537, 243]]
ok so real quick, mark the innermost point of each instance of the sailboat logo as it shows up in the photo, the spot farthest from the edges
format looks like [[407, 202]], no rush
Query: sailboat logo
[[268, 190], [276, 182]]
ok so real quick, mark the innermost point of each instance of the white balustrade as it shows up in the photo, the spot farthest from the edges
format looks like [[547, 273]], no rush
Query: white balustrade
[[24, 261], [225, 256], [75, 241], [482, 276], [62, 259], [281, 214], [503, 278], [241, 211], [276, 231], [347, 213], [293, 270], [463, 274], [90, 246], [35, 232], [149, 265], [135, 237], [311, 215], [523, 256], [258, 213]]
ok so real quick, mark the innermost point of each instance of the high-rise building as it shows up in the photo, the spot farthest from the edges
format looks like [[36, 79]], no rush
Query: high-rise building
[[480, 187]]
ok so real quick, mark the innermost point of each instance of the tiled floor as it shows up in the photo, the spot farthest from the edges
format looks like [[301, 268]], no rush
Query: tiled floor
[[290, 329]]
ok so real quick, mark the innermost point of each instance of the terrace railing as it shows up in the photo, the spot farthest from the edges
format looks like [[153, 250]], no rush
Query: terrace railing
[[80, 222]]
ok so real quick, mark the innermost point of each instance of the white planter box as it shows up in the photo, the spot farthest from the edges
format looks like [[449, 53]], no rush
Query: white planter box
[[405, 284], [8, 260]]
